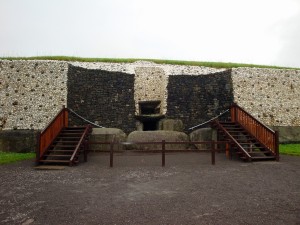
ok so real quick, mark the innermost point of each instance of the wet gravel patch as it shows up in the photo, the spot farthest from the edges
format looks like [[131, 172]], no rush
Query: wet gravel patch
[[189, 190]]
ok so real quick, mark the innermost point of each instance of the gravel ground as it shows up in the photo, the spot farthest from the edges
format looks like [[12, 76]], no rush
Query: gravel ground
[[189, 190]]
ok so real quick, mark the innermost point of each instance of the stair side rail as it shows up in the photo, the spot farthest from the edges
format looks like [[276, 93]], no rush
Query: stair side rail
[[47, 136], [80, 143], [266, 136]]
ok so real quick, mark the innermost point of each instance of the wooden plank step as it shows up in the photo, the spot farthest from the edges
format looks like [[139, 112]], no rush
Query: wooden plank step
[[71, 134], [255, 152], [59, 150], [59, 137], [54, 161], [253, 147], [65, 146], [62, 141], [74, 128], [63, 156], [260, 157]]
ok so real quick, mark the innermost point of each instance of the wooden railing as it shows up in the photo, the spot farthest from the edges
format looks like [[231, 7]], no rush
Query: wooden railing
[[265, 135], [47, 136], [81, 143]]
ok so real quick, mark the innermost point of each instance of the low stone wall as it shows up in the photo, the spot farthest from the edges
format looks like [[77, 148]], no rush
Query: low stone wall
[[18, 141]]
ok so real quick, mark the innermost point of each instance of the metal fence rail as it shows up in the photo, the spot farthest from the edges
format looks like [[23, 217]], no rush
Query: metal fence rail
[[213, 147]]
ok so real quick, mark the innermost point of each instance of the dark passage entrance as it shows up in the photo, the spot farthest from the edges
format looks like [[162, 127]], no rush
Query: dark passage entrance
[[150, 125], [149, 114]]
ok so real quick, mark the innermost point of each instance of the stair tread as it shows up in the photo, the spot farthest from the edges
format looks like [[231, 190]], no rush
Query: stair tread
[[66, 146], [58, 155], [56, 160], [61, 150]]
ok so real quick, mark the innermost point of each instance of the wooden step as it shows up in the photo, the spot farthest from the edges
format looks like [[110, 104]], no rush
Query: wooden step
[[260, 157], [60, 150], [54, 161], [63, 141], [59, 137], [253, 147], [65, 146], [63, 156], [74, 128]]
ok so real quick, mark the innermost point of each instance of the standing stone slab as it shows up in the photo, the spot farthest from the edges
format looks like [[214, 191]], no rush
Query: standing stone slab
[[106, 135], [157, 136]]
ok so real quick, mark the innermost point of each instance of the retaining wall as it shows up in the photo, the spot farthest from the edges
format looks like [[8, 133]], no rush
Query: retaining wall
[[32, 92]]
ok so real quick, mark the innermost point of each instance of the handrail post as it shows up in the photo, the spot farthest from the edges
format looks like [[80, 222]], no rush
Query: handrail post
[[163, 153], [227, 150], [111, 158], [277, 145], [213, 153]]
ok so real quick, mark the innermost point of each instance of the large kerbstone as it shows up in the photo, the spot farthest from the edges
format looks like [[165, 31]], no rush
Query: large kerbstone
[[171, 124], [106, 135], [157, 136], [203, 134], [288, 134], [18, 140]]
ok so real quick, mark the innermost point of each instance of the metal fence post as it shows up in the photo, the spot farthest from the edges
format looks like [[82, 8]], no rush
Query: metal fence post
[[86, 148], [111, 161], [213, 159], [163, 156]]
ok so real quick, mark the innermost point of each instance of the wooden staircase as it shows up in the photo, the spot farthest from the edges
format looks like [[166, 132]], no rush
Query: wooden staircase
[[249, 138], [60, 144]]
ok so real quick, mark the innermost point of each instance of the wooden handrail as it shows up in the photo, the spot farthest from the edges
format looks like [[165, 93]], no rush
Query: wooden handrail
[[81, 141], [47, 136], [266, 136]]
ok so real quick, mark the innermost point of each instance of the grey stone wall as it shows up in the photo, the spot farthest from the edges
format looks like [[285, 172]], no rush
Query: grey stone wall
[[31, 93], [103, 97], [270, 95], [197, 98], [18, 140]]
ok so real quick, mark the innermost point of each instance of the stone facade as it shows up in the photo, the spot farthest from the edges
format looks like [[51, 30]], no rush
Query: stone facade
[[31, 93], [103, 97], [150, 84], [270, 95], [195, 99]]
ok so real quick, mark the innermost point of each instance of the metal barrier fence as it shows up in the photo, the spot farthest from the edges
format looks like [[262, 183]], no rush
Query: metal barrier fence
[[214, 146]]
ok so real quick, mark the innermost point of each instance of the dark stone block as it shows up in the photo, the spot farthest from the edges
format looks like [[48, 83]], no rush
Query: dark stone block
[[195, 99], [102, 96], [18, 140]]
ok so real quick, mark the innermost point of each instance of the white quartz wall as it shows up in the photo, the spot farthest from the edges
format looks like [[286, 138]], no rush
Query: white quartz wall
[[31, 93], [270, 95]]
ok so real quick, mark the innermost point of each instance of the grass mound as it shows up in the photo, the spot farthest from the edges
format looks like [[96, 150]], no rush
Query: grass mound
[[225, 65]]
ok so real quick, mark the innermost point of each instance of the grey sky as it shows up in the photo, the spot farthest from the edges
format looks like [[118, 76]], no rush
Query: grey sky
[[248, 31]]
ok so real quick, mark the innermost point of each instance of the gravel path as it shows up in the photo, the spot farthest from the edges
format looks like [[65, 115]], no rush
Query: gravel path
[[189, 190]]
